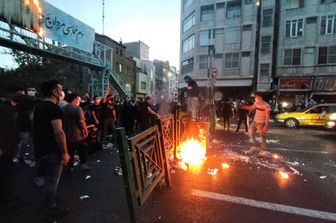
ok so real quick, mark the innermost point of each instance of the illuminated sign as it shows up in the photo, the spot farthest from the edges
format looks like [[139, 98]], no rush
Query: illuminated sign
[[295, 84], [48, 21]]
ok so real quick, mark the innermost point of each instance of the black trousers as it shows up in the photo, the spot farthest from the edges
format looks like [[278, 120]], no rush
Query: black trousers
[[241, 119]]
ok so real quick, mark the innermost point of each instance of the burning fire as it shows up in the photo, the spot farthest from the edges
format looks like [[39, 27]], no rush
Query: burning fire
[[225, 166], [192, 152], [283, 174]]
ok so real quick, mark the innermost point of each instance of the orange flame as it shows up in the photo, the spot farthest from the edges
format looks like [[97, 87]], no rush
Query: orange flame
[[225, 166], [283, 174], [41, 32], [192, 152]]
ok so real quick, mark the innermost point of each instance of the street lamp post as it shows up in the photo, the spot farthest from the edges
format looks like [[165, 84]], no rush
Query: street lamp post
[[211, 52]]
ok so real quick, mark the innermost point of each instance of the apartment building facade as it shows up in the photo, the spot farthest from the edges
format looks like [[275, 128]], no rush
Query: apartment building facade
[[285, 48], [123, 67], [306, 51], [219, 36]]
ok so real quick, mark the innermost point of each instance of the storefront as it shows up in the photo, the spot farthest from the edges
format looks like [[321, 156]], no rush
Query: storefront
[[324, 89], [294, 92]]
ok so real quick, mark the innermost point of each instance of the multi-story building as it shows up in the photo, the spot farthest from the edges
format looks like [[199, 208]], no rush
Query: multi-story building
[[145, 80], [123, 66], [280, 47], [306, 51], [137, 49], [219, 35], [161, 78]]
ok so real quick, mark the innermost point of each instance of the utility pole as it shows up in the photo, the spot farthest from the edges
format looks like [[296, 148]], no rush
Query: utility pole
[[211, 79], [103, 15]]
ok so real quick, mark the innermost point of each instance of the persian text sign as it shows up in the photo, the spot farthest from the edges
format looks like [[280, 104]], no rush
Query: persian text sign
[[325, 84], [295, 84], [62, 27]]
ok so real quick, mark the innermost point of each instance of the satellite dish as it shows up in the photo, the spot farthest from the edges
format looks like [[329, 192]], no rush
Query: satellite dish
[[218, 96]]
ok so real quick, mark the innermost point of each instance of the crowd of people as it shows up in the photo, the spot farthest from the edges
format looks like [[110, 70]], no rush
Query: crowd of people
[[52, 127]]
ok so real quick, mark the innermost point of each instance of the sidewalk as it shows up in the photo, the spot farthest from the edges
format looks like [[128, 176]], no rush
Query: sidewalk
[[106, 202]]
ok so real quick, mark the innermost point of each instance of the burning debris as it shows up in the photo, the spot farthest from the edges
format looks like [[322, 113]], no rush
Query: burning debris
[[192, 152]]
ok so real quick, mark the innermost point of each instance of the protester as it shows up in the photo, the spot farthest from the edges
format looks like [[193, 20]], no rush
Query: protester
[[242, 116], [76, 131], [146, 114], [227, 114], [260, 121], [7, 146], [192, 94], [109, 116], [50, 144]]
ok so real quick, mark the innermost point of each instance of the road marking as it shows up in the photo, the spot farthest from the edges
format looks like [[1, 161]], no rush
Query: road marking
[[299, 151], [266, 205]]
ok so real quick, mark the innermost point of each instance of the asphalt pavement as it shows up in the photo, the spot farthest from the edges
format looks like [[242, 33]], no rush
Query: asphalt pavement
[[251, 189]]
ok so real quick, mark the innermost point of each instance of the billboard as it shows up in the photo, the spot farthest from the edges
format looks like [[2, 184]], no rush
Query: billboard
[[48, 21], [62, 27]]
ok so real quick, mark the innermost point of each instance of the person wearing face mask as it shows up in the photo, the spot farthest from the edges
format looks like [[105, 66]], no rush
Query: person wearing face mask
[[76, 131], [50, 144]]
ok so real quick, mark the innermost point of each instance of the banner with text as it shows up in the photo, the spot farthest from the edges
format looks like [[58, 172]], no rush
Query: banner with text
[[62, 27]]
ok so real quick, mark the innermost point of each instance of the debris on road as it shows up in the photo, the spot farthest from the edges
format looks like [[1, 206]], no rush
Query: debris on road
[[98, 161], [215, 141], [296, 172], [84, 197], [212, 171], [118, 171], [323, 177], [87, 177]]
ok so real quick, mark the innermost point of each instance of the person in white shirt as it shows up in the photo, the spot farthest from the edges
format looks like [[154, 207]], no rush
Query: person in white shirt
[[261, 120]]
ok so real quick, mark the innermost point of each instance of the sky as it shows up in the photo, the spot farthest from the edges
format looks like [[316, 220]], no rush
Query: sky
[[154, 22]]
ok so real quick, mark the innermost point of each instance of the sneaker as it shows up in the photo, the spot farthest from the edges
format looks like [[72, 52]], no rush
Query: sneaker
[[55, 211], [39, 181], [84, 167]]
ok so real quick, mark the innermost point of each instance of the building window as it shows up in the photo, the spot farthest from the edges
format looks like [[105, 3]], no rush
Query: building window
[[232, 35], [188, 44], [206, 37], [267, 17], [292, 57], [327, 1], [143, 85], [207, 13], [127, 70], [220, 5], [247, 2], [328, 24], [188, 65], [189, 22], [264, 70], [294, 4], [187, 4], [233, 10], [327, 55], [246, 54], [119, 67], [247, 27], [231, 60], [203, 61], [311, 20], [294, 28], [128, 89], [265, 44]]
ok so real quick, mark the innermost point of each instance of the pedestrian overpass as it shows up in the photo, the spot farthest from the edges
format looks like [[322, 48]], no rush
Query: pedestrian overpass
[[14, 37]]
